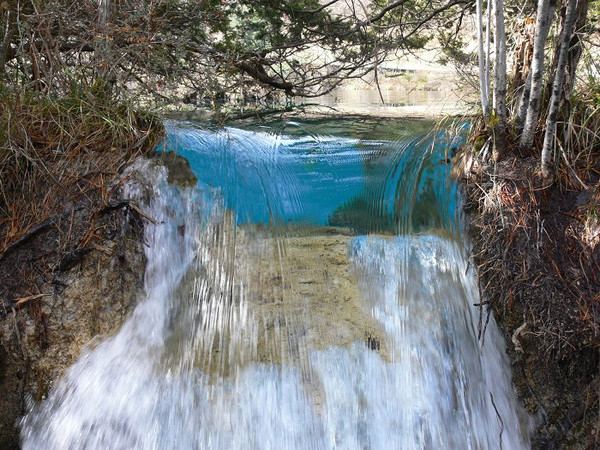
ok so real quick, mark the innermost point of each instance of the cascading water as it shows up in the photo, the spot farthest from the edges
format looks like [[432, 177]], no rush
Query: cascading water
[[309, 292]]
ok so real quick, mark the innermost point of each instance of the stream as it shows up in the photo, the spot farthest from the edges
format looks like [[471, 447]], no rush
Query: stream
[[311, 291]]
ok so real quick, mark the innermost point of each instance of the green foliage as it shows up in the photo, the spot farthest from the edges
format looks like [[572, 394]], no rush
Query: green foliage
[[453, 50], [209, 47]]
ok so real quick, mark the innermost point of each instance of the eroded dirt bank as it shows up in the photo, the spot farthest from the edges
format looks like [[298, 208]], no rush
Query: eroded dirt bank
[[71, 278], [63, 285], [537, 248]]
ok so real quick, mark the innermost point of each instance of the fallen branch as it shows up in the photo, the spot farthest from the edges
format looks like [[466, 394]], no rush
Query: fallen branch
[[515, 337], [22, 300], [127, 204], [72, 258], [499, 419], [142, 213], [33, 231]]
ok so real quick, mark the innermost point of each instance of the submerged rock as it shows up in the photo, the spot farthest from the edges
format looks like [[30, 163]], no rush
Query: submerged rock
[[179, 170], [298, 288], [307, 289]]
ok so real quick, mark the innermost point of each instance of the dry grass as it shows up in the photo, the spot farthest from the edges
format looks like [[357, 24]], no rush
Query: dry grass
[[539, 270], [55, 151]]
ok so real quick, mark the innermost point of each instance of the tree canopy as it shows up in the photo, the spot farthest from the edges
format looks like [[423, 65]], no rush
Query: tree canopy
[[209, 51], [211, 47]]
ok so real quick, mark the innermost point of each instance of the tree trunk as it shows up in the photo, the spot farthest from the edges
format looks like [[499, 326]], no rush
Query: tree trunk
[[483, 79], [103, 45], [545, 13], [8, 33], [557, 88], [522, 73], [523, 104], [573, 56], [523, 49], [499, 81], [488, 48], [575, 51]]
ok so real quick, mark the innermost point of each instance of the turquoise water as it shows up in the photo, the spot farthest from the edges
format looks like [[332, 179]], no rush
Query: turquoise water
[[361, 177]]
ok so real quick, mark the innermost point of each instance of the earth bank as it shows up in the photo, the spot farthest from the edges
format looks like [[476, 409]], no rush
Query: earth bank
[[537, 249], [57, 297], [71, 243]]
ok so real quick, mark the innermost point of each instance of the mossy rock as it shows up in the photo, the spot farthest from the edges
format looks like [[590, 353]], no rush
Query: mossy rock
[[180, 172]]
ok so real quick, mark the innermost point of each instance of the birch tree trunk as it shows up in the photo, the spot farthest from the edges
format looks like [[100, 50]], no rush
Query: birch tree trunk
[[575, 51], [573, 55], [557, 88], [523, 103], [7, 34], [483, 77], [103, 43], [488, 48], [545, 13], [499, 81]]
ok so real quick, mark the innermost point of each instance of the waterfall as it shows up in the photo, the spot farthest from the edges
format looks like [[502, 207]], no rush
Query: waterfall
[[311, 292]]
